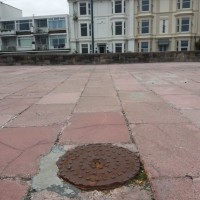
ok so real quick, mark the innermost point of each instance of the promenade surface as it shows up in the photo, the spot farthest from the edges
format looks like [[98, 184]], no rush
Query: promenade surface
[[151, 108]]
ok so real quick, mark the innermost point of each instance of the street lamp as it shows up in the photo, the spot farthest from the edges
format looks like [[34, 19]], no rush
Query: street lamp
[[92, 25]]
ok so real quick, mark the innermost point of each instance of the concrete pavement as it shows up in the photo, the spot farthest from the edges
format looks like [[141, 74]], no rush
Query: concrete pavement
[[152, 108]]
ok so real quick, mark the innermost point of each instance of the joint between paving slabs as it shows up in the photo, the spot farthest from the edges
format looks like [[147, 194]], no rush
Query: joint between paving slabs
[[72, 112]]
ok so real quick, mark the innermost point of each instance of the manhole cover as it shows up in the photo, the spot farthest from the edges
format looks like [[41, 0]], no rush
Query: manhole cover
[[98, 166]]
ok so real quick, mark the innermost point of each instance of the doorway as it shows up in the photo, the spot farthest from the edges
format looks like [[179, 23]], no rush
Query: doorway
[[102, 48]]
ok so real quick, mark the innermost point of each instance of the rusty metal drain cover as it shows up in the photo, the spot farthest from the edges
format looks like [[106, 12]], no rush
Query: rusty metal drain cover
[[98, 166]]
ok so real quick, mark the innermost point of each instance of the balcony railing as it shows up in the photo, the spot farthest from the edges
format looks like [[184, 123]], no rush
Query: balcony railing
[[7, 32]]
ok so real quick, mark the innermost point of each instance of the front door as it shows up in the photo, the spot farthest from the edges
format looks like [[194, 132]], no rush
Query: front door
[[102, 48]]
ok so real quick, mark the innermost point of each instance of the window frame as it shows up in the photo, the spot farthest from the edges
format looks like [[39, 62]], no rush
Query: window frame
[[122, 6], [142, 5], [143, 27], [58, 38], [180, 4], [56, 22], [19, 39], [86, 44], [180, 25], [142, 49], [87, 8], [118, 27], [88, 28]]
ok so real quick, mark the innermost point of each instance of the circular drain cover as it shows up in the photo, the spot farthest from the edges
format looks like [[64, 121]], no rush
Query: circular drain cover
[[98, 166]]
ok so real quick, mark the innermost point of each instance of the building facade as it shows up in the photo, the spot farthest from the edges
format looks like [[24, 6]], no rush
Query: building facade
[[135, 25], [35, 33], [113, 26], [166, 25]]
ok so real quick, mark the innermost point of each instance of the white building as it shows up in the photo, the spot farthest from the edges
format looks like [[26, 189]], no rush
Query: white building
[[7, 11], [34, 33], [113, 26]]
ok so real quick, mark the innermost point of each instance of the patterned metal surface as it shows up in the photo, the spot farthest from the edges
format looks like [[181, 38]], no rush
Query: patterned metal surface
[[98, 166]]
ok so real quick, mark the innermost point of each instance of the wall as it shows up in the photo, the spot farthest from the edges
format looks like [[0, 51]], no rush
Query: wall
[[9, 12], [71, 59]]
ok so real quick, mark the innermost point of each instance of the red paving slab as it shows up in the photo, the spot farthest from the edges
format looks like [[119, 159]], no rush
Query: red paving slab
[[12, 190], [96, 128], [7, 154], [98, 104], [22, 148]]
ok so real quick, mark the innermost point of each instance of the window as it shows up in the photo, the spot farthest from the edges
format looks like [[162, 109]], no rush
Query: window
[[24, 25], [42, 23], [84, 31], [145, 26], [84, 8], [118, 47], [118, 28], [184, 45], [183, 24], [145, 5], [8, 26], [163, 27], [144, 46], [186, 4], [183, 4], [57, 41], [84, 48], [118, 6], [25, 42], [57, 23]]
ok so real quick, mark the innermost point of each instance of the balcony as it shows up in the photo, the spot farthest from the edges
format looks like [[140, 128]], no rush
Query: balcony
[[41, 31], [7, 32]]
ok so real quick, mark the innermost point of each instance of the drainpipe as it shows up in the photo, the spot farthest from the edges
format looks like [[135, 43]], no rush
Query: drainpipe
[[92, 25]]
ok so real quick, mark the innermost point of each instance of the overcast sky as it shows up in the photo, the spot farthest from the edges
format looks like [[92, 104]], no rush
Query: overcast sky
[[40, 7]]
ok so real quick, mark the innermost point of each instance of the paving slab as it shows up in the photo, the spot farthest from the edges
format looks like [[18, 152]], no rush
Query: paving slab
[[4, 119], [96, 128], [152, 112], [98, 104], [23, 147], [14, 106], [138, 96], [43, 115], [184, 101], [12, 190], [60, 98], [174, 189], [168, 150], [192, 115]]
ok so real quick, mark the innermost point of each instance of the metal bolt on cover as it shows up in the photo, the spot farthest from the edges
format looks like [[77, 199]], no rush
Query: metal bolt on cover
[[98, 166]]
